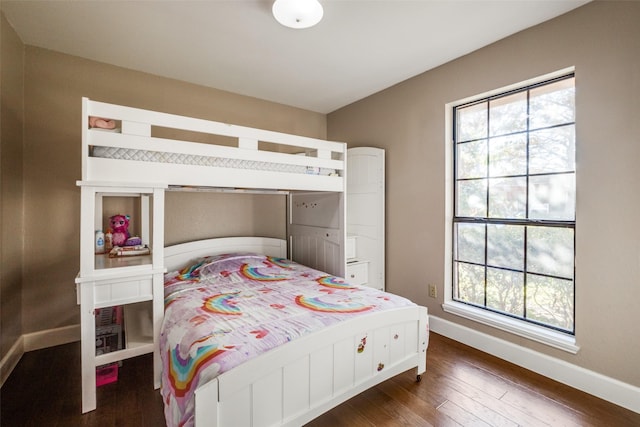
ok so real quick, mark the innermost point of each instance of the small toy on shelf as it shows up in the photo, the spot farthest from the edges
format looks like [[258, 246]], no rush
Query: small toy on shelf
[[122, 243], [108, 240], [124, 251], [133, 241], [100, 242], [119, 225], [101, 123]]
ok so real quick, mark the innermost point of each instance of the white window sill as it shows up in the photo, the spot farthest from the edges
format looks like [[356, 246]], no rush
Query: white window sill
[[527, 330]]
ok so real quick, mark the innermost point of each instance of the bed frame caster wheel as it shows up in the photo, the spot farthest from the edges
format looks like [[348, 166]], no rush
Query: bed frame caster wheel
[[418, 378]]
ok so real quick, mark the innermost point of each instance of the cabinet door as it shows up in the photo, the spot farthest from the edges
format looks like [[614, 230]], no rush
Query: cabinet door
[[365, 208]]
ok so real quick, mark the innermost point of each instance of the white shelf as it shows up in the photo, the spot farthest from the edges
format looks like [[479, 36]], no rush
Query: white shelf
[[127, 187], [116, 273], [103, 261], [104, 281]]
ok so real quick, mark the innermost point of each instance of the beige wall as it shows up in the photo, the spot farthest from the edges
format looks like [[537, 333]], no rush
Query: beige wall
[[602, 41], [54, 85], [11, 214]]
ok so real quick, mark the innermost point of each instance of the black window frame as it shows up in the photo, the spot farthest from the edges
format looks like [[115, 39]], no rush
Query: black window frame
[[487, 220]]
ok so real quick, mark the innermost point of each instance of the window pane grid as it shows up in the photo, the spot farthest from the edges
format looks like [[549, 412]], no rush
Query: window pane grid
[[568, 327], [513, 270], [522, 132], [519, 176], [498, 187]]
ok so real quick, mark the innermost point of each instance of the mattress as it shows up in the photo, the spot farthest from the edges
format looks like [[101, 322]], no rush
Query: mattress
[[198, 160], [226, 309]]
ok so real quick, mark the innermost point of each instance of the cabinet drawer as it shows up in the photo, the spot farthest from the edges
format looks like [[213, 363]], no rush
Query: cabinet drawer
[[118, 291], [111, 292], [358, 273]]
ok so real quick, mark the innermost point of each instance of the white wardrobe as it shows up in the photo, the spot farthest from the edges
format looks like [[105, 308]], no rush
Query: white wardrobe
[[365, 216]]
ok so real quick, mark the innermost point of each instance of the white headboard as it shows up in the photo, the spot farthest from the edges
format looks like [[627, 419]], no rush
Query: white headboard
[[177, 256]]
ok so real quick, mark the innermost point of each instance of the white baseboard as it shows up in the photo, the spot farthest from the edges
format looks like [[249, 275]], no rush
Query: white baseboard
[[607, 388], [11, 359], [51, 337], [36, 341]]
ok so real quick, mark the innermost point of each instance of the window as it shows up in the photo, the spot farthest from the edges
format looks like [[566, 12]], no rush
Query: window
[[513, 236]]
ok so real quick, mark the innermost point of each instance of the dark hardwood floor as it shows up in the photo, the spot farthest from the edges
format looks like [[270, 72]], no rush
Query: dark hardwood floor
[[462, 386]]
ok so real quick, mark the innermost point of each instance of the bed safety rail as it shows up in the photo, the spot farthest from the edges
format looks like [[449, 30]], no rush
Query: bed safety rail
[[149, 146]]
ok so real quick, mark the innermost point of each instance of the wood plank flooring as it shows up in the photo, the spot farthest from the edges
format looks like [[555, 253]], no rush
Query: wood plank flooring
[[462, 387]]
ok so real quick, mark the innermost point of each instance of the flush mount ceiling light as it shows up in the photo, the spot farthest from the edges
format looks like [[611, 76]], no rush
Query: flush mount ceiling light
[[297, 13]]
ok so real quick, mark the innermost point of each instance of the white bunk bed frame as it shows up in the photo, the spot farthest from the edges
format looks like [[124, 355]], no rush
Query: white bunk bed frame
[[136, 133], [297, 382], [316, 204]]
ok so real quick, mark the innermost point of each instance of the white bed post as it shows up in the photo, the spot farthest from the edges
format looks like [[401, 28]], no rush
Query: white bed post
[[88, 220], [343, 232], [144, 226], [157, 249], [85, 140], [87, 348], [423, 341], [289, 238], [343, 214]]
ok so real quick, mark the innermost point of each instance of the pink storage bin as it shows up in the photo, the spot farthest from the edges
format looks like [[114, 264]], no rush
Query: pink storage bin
[[106, 374]]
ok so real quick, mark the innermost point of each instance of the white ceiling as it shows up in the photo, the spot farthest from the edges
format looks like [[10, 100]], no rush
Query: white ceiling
[[359, 48]]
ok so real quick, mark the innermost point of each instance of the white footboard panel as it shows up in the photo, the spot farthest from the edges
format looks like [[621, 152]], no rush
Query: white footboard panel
[[295, 383]]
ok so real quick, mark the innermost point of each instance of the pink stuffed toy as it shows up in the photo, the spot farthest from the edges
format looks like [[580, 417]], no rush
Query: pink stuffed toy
[[102, 123], [119, 225]]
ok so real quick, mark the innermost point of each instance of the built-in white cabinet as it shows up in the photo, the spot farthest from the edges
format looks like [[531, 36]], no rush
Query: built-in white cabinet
[[104, 281], [366, 215]]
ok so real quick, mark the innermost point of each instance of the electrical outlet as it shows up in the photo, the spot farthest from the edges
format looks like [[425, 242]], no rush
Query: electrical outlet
[[433, 291]]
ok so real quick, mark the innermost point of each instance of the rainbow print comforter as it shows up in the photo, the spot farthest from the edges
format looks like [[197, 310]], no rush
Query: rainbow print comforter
[[226, 309]]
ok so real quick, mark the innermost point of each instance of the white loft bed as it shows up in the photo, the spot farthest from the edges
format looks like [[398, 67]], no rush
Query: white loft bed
[[311, 171], [136, 155]]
